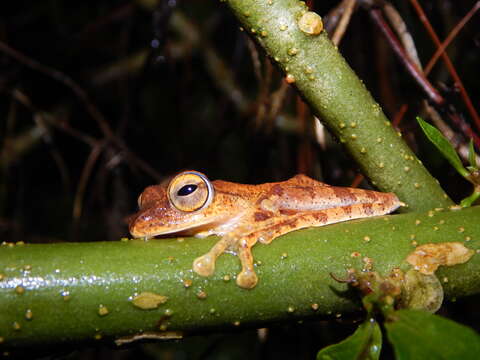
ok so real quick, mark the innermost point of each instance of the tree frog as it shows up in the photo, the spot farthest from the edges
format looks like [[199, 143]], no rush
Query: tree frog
[[191, 204]]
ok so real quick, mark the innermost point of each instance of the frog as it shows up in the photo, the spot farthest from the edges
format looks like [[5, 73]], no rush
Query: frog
[[244, 214]]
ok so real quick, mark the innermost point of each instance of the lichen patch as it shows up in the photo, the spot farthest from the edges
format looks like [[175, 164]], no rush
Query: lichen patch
[[148, 300], [428, 257]]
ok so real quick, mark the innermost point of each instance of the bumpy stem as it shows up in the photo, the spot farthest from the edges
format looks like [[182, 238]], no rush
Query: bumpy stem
[[54, 293], [339, 99]]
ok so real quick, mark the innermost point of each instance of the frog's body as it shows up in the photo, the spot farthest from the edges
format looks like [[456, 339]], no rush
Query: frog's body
[[244, 214]]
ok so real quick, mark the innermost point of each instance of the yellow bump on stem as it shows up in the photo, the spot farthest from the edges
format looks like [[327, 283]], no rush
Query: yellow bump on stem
[[310, 23], [187, 283], [292, 51], [290, 78], [201, 294], [102, 310]]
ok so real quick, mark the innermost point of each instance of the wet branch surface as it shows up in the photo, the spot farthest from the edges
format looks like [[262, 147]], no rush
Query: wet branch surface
[[83, 291]]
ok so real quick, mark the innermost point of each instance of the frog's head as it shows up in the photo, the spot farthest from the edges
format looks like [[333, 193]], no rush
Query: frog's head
[[180, 206]]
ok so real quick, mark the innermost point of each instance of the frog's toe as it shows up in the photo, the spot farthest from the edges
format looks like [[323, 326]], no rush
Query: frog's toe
[[204, 265], [247, 279]]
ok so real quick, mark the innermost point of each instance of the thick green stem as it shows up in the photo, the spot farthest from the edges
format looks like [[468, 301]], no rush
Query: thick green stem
[[53, 293], [340, 100]]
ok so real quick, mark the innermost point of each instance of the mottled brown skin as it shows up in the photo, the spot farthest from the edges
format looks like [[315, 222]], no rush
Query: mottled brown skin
[[244, 214]]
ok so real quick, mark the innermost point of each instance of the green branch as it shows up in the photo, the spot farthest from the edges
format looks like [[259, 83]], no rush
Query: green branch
[[83, 291], [340, 100]]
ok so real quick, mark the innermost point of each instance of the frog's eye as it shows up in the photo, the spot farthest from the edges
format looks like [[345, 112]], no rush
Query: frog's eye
[[190, 191]]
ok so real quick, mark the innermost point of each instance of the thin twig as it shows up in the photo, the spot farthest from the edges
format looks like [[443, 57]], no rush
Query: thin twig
[[441, 49], [63, 78], [451, 69], [83, 96], [82, 184], [344, 21], [431, 92], [399, 115], [402, 31]]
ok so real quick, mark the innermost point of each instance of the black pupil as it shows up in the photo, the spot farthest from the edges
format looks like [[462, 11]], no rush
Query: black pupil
[[187, 190]]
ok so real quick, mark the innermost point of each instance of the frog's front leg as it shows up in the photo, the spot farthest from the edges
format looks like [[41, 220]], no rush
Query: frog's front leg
[[247, 278], [205, 264]]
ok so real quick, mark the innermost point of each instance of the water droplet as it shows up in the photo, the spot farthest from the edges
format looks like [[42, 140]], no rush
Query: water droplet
[[66, 295], [29, 314]]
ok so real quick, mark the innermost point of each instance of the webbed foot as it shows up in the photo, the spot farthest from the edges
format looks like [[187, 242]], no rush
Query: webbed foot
[[247, 279], [204, 265]]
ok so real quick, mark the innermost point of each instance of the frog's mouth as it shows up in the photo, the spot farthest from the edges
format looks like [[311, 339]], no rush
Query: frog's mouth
[[161, 231], [216, 226]]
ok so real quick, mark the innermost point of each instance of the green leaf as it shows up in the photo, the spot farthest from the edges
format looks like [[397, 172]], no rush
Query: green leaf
[[472, 157], [418, 334], [364, 343], [442, 144]]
